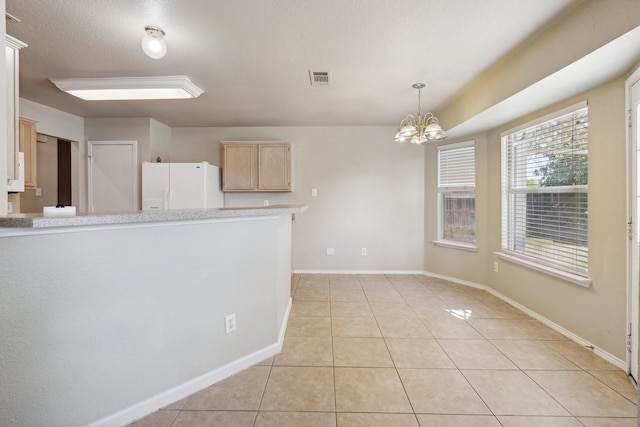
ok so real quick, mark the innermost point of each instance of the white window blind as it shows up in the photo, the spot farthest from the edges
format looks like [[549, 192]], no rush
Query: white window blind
[[544, 192], [456, 190], [457, 166]]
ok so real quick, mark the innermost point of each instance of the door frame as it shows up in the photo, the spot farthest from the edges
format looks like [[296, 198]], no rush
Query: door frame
[[134, 171], [633, 342]]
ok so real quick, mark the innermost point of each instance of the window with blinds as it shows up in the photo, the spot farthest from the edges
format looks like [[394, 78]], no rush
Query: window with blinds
[[456, 192], [544, 191]]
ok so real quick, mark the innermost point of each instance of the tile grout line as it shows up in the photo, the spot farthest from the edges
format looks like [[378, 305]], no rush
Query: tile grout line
[[420, 320], [333, 358]]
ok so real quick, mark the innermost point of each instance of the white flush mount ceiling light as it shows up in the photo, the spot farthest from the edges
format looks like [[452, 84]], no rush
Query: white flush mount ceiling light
[[153, 43], [421, 128], [129, 88]]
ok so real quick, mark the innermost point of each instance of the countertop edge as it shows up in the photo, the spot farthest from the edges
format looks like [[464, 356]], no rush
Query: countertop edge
[[38, 221]]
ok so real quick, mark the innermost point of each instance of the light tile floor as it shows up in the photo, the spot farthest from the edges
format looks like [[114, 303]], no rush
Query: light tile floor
[[405, 350]]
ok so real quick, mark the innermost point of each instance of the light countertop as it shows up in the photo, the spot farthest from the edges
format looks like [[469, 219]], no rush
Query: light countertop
[[38, 221]]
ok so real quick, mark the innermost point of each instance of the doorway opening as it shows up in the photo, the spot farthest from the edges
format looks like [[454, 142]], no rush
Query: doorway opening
[[53, 185]]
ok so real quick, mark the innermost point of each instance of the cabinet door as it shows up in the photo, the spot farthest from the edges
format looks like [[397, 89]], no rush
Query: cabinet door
[[273, 167], [28, 147], [239, 171]]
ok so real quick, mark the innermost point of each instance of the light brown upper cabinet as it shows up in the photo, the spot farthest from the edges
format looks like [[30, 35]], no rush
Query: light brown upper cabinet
[[28, 147], [256, 166]]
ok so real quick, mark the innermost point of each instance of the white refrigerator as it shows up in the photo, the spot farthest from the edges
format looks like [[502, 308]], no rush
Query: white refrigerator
[[181, 186]]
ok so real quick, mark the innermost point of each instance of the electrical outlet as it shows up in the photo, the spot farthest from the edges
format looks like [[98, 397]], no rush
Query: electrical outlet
[[330, 251], [230, 323], [363, 251], [265, 203], [38, 192], [495, 266], [314, 192]]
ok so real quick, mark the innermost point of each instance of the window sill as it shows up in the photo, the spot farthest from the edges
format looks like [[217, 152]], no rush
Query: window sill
[[558, 274], [456, 245]]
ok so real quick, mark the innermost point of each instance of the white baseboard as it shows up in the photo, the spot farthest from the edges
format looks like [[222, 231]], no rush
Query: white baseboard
[[148, 406], [186, 389], [597, 350], [419, 272], [573, 337], [285, 322]]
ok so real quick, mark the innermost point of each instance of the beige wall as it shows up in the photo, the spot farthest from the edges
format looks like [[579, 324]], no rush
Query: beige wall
[[597, 314], [580, 30], [370, 192]]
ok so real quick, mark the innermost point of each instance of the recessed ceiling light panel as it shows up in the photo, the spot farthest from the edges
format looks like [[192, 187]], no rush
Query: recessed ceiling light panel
[[129, 88]]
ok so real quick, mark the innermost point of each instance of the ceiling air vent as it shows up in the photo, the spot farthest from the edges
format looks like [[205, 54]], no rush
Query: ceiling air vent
[[319, 78]]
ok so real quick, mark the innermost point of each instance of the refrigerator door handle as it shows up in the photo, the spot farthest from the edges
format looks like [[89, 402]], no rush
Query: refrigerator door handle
[[172, 195], [166, 198]]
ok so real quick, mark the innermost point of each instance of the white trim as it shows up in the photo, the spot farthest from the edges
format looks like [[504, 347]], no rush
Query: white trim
[[129, 88], [285, 322], [14, 43], [547, 117], [134, 171], [454, 145], [550, 271], [14, 232], [573, 337], [418, 272], [443, 190], [148, 406], [630, 153], [471, 247]]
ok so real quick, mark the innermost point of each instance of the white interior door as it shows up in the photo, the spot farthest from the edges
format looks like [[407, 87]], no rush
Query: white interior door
[[112, 176], [633, 101]]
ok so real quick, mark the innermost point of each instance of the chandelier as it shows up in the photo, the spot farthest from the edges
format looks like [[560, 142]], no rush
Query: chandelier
[[421, 128]]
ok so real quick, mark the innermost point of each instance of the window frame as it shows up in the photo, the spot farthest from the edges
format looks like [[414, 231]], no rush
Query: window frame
[[443, 190], [540, 263]]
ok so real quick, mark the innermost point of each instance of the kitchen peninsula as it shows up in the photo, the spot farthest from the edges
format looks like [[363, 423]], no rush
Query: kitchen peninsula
[[106, 318]]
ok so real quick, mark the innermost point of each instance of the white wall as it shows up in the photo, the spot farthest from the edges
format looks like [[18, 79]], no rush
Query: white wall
[[53, 122], [108, 324], [370, 192], [3, 120]]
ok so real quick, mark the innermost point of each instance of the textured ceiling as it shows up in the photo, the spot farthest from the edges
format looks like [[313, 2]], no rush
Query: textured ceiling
[[252, 57]]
